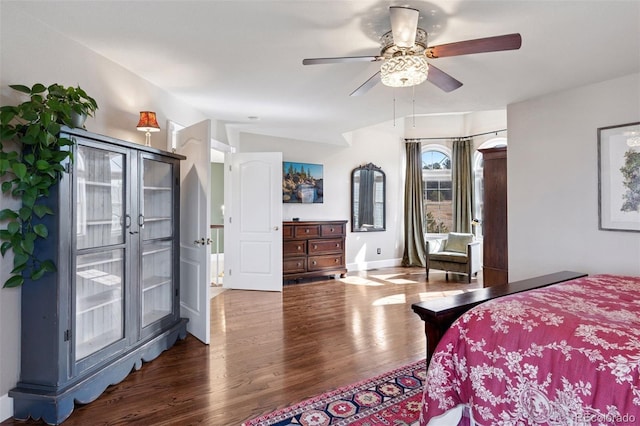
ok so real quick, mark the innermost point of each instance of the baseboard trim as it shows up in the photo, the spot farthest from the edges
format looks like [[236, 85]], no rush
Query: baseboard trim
[[367, 266], [6, 407]]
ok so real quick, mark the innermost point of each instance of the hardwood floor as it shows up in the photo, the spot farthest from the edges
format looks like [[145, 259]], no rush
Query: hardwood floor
[[269, 350]]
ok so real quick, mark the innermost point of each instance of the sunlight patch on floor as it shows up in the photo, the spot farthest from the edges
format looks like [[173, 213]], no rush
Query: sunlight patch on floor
[[359, 281], [402, 281], [394, 299], [384, 277]]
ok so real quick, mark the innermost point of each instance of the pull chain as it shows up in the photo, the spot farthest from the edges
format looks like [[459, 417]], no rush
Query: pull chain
[[394, 107], [413, 104]]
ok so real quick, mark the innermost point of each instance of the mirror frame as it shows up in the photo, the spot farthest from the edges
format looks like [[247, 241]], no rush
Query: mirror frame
[[372, 168]]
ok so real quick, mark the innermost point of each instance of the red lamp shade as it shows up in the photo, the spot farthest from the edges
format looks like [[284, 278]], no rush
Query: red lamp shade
[[148, 122]]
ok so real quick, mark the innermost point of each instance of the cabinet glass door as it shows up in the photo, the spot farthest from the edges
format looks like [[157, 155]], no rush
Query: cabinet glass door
[[157, 262], [157, 202], [157, 281], [99, 283], [99, 200], [99, 301]]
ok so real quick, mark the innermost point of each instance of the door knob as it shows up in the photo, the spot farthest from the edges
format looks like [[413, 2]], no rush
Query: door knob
[[275, 228], [203, 242]]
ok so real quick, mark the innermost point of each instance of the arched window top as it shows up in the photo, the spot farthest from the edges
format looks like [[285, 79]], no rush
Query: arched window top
[[493, 142], [436, 157]]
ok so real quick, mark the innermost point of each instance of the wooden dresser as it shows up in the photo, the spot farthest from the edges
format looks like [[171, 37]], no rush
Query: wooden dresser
[[494, 223], [313, 248]]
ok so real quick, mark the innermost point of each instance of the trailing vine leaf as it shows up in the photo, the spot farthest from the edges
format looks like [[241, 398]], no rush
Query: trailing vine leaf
[[8, 214], [41, 230], [31, 171], [14, 281], [41, 210]]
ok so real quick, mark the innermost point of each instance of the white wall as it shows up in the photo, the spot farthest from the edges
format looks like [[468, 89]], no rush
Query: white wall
[[553, 182], [32, 53], [381, 145]]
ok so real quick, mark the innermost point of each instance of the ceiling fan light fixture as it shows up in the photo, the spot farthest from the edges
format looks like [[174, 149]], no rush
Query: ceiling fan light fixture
[[633, 141], [404, 71]]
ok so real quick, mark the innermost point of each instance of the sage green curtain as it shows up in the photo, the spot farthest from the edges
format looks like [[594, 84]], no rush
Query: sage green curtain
[[414, 249], [462, 182]]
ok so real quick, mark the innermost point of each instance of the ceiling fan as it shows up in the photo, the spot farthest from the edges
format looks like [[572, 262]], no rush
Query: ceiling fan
[[405, 52]]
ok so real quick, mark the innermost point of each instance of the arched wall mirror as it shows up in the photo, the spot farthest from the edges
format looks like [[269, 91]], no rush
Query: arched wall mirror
[[368, 196]]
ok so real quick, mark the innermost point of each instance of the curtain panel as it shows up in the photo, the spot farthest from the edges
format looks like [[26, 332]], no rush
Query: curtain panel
[[462, 181], [414, 246]]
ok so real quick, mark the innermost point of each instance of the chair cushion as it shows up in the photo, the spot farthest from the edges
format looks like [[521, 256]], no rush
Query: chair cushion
[[448, 256], [457, 242]]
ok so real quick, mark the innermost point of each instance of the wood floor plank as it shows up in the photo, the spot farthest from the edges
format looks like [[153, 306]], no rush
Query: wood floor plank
[[270, 350]]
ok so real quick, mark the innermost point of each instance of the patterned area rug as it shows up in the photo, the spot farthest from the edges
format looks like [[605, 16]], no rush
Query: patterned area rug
[[393, 398]]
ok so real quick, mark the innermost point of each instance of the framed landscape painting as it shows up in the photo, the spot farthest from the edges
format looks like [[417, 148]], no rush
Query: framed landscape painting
[[302, 183], [619, 177]]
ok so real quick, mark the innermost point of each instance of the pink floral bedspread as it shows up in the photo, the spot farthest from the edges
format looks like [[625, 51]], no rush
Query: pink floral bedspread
[[567, 354]]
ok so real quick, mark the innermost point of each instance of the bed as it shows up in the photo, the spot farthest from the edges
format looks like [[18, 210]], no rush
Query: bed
[[566, 354]]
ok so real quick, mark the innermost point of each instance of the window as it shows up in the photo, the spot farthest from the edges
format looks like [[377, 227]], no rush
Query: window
[[436, 177]]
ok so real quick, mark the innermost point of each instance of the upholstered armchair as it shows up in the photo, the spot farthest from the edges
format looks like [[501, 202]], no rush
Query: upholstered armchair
[[457, 253]]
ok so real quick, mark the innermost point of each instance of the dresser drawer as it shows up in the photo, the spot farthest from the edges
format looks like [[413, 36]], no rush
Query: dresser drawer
[[306, 231], [294, 248], [292, 265], [287, 231], [326, 246], [318, 263], [331, 230]]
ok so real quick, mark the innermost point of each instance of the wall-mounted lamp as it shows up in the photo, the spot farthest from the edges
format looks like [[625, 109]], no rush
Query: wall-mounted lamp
[[148, 123]]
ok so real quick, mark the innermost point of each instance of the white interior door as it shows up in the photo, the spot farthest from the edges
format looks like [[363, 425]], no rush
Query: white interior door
[[253, 228], [195, 206]]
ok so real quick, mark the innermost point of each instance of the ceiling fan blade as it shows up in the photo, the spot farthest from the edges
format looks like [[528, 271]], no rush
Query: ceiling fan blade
[[480, 45], [367, 85], [404, 23], [442, 79], [344, 59]]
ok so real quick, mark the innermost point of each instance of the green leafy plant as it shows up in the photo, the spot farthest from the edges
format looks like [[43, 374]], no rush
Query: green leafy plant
[[72, 99], [30, 171]]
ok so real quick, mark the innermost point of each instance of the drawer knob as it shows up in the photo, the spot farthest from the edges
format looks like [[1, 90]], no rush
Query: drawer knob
[[336, 260], [337, 245], [315, 247], [306, 230], [314, 262], [332, 229], [299, 248]]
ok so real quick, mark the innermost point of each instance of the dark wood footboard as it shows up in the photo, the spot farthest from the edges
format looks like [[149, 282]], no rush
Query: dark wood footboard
[[439, 314]]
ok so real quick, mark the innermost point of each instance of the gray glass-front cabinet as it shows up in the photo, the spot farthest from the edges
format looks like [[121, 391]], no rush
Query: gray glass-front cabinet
[[114, 301]]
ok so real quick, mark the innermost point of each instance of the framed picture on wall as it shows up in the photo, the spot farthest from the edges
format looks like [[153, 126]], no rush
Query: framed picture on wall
[[302, 183], [619, 177]]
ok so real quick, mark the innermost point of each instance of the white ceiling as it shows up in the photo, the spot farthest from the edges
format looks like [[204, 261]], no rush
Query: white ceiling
[[237, 59]]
